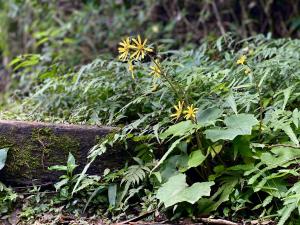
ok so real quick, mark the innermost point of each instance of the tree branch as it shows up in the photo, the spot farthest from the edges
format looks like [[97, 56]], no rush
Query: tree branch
[[218, 17]]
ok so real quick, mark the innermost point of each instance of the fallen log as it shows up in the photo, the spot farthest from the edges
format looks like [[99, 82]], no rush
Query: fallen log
[[34, 146]]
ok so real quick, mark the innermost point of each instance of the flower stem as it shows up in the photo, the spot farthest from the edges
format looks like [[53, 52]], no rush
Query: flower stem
[[261, 106], [175, 88]]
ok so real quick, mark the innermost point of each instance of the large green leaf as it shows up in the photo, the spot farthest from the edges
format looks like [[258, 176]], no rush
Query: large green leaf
[[176, 190], [196, 158], [243, 122], [3, 155], [221, 134], [71, 164], [179, 129], [240, 124], [208, 116]]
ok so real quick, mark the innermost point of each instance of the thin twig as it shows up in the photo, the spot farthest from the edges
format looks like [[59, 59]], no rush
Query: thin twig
[[245, 18], [283, 145], [217, 221], [43, 192], [152, 223], [136, 218], [29, 186], [218, 17], [261, 222]]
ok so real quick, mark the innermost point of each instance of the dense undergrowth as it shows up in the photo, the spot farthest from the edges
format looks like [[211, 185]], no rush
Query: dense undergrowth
[[74, 32], [234, 154]]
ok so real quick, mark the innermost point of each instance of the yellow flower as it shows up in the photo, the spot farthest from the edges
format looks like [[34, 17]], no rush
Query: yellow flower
[[247, 71], [131, 68], [241, 60], [190, 112], [124, 48], [178, 109], [140, 48], [155, 70]]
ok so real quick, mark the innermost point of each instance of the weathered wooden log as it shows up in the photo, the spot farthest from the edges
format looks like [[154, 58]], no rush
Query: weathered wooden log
[[34, 146]]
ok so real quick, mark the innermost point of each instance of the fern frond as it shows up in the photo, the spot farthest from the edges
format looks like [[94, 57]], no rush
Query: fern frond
[[135, 174]]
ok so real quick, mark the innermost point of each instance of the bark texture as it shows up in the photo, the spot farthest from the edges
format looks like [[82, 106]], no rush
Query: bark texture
[[34, 146]]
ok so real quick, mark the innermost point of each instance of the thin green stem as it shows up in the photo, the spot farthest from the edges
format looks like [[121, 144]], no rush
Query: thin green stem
[[199, 143], [175, 88], [261, 106], [182, 96]]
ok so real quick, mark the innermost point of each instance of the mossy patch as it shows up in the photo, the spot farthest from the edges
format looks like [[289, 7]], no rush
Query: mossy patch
[[30, 155]]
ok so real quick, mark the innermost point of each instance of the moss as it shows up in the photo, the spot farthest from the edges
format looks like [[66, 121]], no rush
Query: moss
[[29, 156], [52, 143], [19, 157]]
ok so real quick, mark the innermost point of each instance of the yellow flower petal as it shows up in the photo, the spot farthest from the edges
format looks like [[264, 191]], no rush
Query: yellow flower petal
[[190, 112], [178, 109], [241, 60], [124, 48], [140, 48]]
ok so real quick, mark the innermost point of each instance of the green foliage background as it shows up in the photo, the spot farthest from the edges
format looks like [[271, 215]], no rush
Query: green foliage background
[[75, 32], [248, 124]]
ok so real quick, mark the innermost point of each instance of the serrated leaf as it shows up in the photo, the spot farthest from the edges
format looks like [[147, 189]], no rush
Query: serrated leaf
[[231, 102], [280, 156], [267, 200], [289, 132], [296, 117], [287, 94], [286, 213], [223, 192]]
